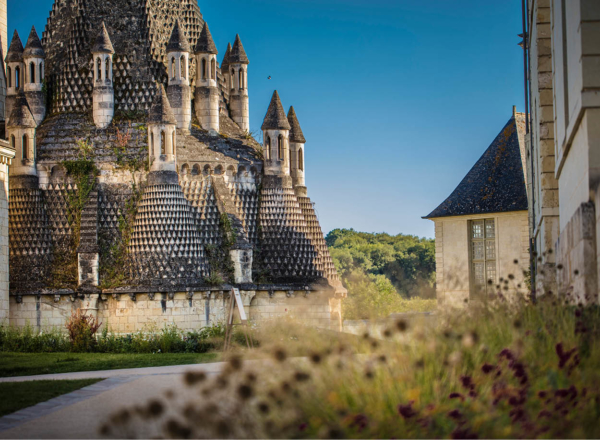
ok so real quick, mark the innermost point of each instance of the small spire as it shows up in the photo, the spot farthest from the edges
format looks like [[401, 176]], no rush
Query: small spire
[[296, 134], [161, 111], [21, 116], [275, 118], [15, 51], [225, 62], [102, 43], [238, 54], [33, 48], [206, 43], [178, 41]]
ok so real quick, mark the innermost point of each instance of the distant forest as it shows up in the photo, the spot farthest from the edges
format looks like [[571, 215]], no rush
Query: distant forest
[[380, 269]]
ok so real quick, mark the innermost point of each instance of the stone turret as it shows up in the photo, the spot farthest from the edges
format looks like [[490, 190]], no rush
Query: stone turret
[[297, 142], [178, 91], [14, 71], [225, 68], [276, 133], [206, 96], [21, 136], [104, 95], [238, 95], [33, 59], [162, 134]]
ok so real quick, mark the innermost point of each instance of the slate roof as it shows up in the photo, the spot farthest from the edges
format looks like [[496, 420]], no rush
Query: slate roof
[[496, 183], [21, 116], [161, 111], [275, 118], [103, 43], [296, 134], [238, 54], [206, 43], [15, 51], [178, 42], [34, 48]]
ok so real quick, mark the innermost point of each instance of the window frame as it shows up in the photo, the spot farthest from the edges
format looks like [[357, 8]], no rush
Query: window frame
[[477, 289]]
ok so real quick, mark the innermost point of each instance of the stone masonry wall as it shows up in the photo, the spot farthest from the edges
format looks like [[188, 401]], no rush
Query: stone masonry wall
[[4, 304], [188, 311]]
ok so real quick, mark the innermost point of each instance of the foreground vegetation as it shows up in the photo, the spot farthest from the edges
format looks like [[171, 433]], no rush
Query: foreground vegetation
[[19, 395], [383, 273], [504, 370], [29, 364]]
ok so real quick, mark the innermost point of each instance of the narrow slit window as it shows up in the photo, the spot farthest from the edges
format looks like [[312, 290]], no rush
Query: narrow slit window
[[9, 76], [25, 147], [280, 147], [241, 79], [17, 78], [213, 69], [483, 255], [32, 73], [268, 148], [107, 70], [300, 160], [98, 69], [173, 67], [182, 66], [173, 143], [151, 143], [12, 141], [162, 143], [203, 68], [41, 72]]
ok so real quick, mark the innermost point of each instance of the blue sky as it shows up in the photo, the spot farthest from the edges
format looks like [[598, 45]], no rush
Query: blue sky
[[397, 98]]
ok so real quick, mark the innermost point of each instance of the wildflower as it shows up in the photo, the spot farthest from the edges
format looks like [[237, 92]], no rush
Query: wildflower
[[192, 378], [360, 421], [301, 376], [507, 354], [487, 368], [544, 413], [401, 325], [467, 382], [263, 407], [456, 396], [542, 394], [455, 414], [302, 426], [473, 393], [463, 433], [155, 408], [407, 411], [280, 354], [245, 391]]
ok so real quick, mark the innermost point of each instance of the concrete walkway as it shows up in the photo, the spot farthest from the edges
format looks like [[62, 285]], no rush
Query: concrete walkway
[[81, 413]]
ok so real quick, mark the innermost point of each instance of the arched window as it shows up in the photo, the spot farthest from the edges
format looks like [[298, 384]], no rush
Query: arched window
[[232, 79], [172, 67], [241, 78], [32, 73], [107, 70], [280, 147], [12, 142], [25, 147], [203, 68], [268, 148], [98, 69], [300, 160], [173, 144], [41, 72], [17, 77], [151, 143], [219, 170], [9, 76], [162, 142], [213, 69]]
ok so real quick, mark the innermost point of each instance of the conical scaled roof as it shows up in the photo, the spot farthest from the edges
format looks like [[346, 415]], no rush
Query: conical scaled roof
[[15, 51], [21, 116], [33, 48], [206, 43], [161, 111], [275, 118], [225, 62], [238, 54], [296, 134], [178, 41], [103, 43]]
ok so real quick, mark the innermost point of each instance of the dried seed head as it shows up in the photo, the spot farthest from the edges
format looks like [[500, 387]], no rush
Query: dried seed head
[[155, 408], [280, 354], [245, 391]]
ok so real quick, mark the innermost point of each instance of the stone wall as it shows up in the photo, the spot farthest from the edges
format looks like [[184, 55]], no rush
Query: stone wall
[[4, 26], [4, 304], [127, 313]]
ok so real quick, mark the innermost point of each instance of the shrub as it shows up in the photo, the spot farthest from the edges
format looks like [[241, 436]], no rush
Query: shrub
[[27, 340], [82, 329]]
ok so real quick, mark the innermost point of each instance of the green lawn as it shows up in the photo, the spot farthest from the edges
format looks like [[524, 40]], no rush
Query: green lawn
[[19, 395], [26, 364]]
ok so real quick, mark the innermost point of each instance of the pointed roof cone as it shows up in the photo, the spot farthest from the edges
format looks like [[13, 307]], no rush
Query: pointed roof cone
[[21, 116], [296, 134], [206, 43], [161, 111], [238, 54], [178, 41], [275, 118], [33, 48], [102, 43], [225, 61], [15, 51]]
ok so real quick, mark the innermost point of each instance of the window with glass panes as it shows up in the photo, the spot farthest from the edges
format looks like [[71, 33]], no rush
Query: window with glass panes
[[483, 251]]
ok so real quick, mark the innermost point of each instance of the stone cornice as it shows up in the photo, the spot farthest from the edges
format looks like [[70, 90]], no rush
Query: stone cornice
[[7, 153]]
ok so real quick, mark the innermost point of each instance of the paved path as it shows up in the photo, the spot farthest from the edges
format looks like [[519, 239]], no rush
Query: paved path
[[79, 414]]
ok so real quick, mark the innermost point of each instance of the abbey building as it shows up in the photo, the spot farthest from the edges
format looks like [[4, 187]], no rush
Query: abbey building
[[138, 193]]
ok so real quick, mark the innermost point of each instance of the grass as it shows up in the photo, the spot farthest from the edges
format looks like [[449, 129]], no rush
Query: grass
[[26, 364], [19, 395]]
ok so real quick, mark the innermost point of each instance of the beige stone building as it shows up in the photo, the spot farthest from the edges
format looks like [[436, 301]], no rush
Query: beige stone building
[[481, 232], [563, 52]]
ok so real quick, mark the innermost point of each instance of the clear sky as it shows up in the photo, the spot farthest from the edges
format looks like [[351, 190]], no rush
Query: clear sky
[[397, 98]]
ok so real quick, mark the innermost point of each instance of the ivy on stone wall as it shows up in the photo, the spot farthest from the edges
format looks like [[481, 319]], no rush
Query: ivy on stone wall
[[219, 257]]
